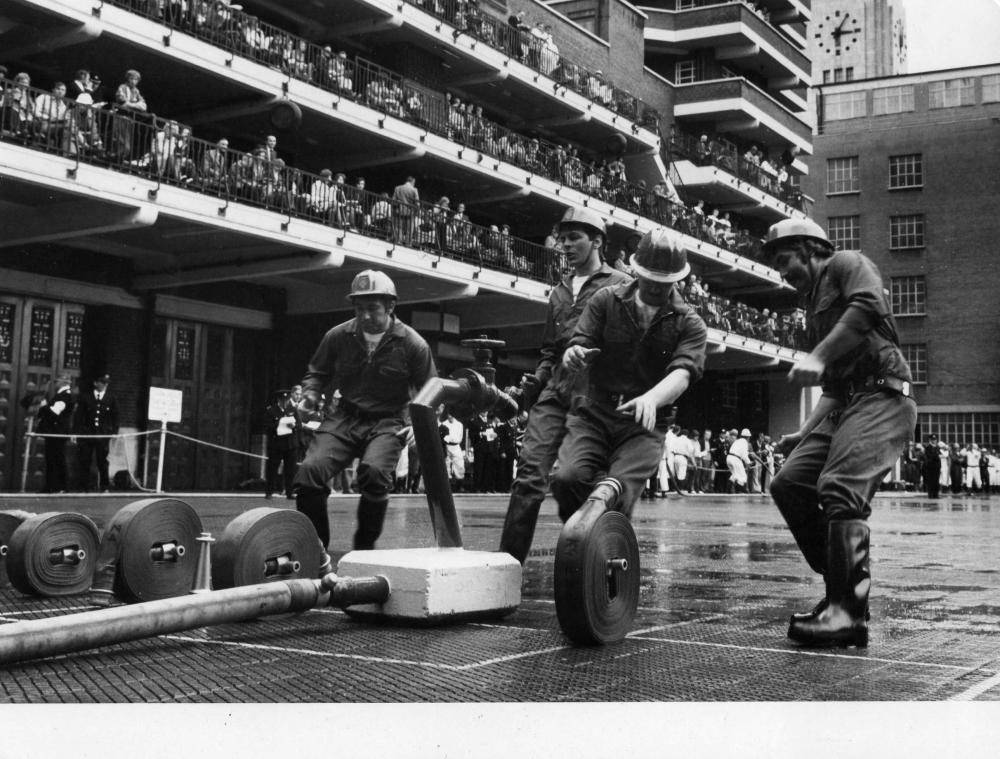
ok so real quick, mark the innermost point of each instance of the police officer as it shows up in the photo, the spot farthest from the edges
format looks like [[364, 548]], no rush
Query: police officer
[[54, 418], [374, 360], [643, 346], [284, 435], [930, 467], [97, 414], [581, 236], [853, 436]]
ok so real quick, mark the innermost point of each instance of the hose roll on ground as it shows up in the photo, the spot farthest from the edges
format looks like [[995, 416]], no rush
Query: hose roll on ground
[[265, 545]]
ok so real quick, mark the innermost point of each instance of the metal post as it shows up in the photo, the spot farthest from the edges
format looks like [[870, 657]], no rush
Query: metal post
[[163, 451], [27, 455]]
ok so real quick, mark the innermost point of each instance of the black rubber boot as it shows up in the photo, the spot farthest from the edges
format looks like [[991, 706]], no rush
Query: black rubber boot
[[519, 526], [312, 503], [848, 579], [371, 516], [808, 527]]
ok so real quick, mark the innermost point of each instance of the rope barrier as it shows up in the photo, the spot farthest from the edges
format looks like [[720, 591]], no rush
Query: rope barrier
[[147, 432]]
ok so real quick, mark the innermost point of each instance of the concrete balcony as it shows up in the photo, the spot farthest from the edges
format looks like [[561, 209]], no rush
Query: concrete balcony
[[737, 34], [736, 105]]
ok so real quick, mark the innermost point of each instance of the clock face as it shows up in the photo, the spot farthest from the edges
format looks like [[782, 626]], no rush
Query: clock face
[[837, 33]]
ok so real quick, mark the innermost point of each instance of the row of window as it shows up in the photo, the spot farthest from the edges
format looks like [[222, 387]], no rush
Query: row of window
[[844, 175], [905, 231], [947, 93]]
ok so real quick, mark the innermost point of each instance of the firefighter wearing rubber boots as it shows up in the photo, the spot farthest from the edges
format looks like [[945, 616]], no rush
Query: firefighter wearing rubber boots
[[853, 436], [638, 346], [375, 361], [581, 236]]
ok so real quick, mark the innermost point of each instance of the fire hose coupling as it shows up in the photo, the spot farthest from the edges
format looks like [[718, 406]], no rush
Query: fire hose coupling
[[67, 555], [349, 591], [169, 551]]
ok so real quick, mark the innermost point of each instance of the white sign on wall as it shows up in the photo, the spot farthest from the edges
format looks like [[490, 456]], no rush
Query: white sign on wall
[[165, 404]]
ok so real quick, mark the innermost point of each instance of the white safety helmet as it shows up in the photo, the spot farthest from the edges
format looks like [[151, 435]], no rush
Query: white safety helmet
[[585, 217], [660, 257], [788, 229], [372, 282]]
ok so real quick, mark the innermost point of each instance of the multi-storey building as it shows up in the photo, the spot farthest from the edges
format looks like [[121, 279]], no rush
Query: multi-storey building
[[142, 244], [907, 169]]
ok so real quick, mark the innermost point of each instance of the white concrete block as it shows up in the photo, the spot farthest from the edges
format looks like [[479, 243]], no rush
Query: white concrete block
[[437, 585]]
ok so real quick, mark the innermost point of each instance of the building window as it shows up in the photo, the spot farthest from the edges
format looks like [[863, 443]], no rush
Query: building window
[[845, 105], [842, 175], [685, 72], [838, 75], [991, 88], [952, 92], [909, 296], [982, 428], [849, 74], [892, 100], [906, 171], [916, 356], [845, 232], [686, 5], [826, 76], [906, 231]]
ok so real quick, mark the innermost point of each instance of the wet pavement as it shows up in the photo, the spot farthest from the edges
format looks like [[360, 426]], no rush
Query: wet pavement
[[719, 578]]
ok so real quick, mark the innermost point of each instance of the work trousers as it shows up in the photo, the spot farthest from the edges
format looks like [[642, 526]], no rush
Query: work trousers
[[335, 445], [834, 471], [93, 449], [600, 439]]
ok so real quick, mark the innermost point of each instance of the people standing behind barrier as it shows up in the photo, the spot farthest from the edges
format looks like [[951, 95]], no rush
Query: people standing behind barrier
[[485, 445], [96, 414], [55, 415], [738, 460], [853, 436], [641, 346], [956, 468], [376, 362], [973, 480], [703, 457], [454, 448], [720, 451], [548, 391], [284, 438], [130, 103], [406, 211], [765, 456]]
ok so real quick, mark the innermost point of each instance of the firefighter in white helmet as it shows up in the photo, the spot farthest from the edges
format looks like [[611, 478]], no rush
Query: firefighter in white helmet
[[581, 237], [852, 438], [642, 346], [375, 361]]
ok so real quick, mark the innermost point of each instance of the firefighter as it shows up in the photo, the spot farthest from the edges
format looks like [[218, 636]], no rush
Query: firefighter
[[581, 237], [376, 362], [852, 438]]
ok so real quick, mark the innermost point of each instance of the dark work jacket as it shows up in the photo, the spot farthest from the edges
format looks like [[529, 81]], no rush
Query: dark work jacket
[[632, 360], [378, 385], [849, 289], [563, 314]]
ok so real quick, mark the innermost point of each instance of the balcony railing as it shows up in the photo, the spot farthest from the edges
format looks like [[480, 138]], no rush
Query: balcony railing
[[720, 152], [248, 36], [165, 152], [539, 54]]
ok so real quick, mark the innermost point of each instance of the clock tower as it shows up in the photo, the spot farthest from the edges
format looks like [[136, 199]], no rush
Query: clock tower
[[857, 39]]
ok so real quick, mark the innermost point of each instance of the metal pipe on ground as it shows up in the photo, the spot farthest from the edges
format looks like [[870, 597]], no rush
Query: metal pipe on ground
[[37, 638]]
